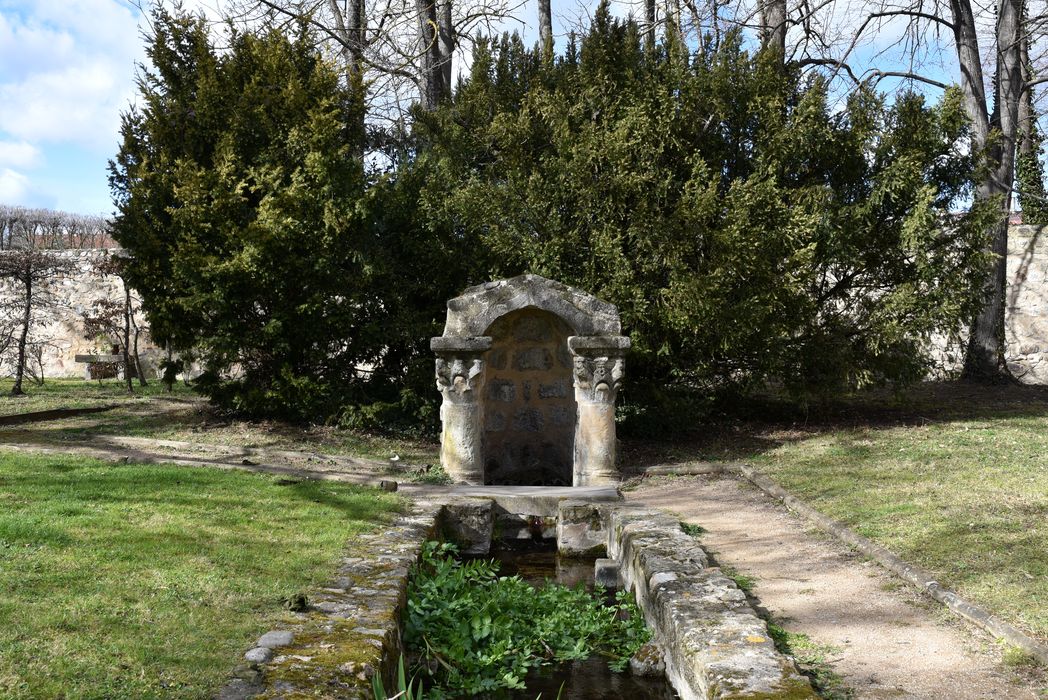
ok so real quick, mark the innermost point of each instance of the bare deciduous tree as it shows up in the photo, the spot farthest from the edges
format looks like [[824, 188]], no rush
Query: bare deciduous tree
[[24, 227], [117, 319], [984, 45], [400, 50], [33, 274]]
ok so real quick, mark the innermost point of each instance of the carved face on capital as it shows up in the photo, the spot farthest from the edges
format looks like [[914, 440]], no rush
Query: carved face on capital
[[599, 375], [458, 374]]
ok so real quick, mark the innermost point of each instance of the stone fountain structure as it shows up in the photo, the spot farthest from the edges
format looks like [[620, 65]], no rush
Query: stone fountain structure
[[529, 370]]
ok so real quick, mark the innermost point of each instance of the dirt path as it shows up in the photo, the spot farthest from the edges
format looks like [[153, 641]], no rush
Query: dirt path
[[887, 640], [294, 464]]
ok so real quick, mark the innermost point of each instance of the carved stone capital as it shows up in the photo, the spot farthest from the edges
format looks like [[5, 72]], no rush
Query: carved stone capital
[[460, 377], [599, 366], [597, 379], [460, 367]]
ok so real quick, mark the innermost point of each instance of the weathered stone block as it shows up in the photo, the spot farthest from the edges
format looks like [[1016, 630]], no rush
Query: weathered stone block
[[648, 662], [606, 573], [469, 523], [716, 646], [581, 531]]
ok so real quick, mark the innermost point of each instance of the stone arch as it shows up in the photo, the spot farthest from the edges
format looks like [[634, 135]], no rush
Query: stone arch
[[508, 352], [476, 309]]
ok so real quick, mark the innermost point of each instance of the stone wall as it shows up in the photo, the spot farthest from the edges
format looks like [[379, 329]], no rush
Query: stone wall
[[62, 334], [1026, 316], [529, 421]]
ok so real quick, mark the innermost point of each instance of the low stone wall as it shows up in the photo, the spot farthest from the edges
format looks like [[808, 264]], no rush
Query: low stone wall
[[714, 644]]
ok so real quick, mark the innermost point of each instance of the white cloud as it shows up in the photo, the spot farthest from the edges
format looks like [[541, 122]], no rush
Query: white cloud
[[66, 70], [79, 104], [18, 154], [14, 187]]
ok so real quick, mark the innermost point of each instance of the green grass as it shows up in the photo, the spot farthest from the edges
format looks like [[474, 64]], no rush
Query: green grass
[[692, 530], [151, 581], [953, 478], [79, 393], [182, 415], [745, 582], [966, 499], [812, 659]]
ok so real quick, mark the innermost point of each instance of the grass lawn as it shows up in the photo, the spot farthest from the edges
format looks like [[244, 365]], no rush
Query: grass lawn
[[79, 393], [183, 415], [128, 581], [953, 478]]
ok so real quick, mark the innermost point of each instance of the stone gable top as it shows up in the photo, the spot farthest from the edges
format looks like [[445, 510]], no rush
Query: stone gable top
[[471, 314]]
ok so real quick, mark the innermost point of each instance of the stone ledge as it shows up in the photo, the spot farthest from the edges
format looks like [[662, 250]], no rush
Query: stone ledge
[[352, 629], [442, 343], [715, 645]]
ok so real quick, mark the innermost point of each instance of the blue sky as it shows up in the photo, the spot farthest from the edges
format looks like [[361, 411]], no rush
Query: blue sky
[[66, 71]]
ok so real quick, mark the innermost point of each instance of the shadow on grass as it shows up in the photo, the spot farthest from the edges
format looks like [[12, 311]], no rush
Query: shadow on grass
[[759, 424]]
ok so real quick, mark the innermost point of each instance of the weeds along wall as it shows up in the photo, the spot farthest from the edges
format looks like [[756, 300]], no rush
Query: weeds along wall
[[58, 334]]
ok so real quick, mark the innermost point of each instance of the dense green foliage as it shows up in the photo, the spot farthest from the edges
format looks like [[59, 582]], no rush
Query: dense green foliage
[[483, 632], [749, 228], [259, 246], [1029, 178]]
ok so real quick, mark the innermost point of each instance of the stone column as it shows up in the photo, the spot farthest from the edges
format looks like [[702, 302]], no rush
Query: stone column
[[599, 368], [460, 379]]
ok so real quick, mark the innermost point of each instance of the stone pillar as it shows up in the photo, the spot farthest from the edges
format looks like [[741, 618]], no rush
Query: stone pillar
[[599, 369], [460, 379]]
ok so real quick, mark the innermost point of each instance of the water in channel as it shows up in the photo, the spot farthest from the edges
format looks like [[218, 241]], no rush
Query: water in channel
[[537, 562]]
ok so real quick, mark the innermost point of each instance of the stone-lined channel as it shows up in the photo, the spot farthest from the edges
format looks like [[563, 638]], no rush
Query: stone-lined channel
[[539, 563], [713, 644]]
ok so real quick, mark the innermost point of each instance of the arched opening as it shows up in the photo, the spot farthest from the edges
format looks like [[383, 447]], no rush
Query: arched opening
[[529, 400]]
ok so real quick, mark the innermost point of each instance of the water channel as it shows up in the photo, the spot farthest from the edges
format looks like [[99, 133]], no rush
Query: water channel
[[537, 562]]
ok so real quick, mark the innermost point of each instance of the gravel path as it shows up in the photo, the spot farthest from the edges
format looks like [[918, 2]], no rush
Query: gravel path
[[888, 640]]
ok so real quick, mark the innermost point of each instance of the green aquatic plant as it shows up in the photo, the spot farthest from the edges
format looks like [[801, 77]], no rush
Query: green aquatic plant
[[474, 631]]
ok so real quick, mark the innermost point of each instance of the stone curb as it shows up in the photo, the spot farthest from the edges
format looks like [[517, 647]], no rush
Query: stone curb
[[911, 573], [54, 414]]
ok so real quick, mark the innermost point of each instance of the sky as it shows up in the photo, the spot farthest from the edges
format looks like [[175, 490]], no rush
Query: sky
[[67, 70]]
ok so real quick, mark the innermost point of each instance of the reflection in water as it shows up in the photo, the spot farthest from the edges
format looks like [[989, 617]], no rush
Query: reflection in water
[[538, 562]]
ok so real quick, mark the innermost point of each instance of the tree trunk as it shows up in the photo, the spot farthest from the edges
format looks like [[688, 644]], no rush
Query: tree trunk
[[127, 340], [985, 359], [169, 386], [350, 30], [27, 318], [673, 20], [546, 29], [138, 360], [773, 27], [649, 18], [1028, 168], [445, 46], [428, 54], [1027, 116]]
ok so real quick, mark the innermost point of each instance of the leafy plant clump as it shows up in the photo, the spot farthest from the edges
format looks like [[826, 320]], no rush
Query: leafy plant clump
[[475, 632]]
